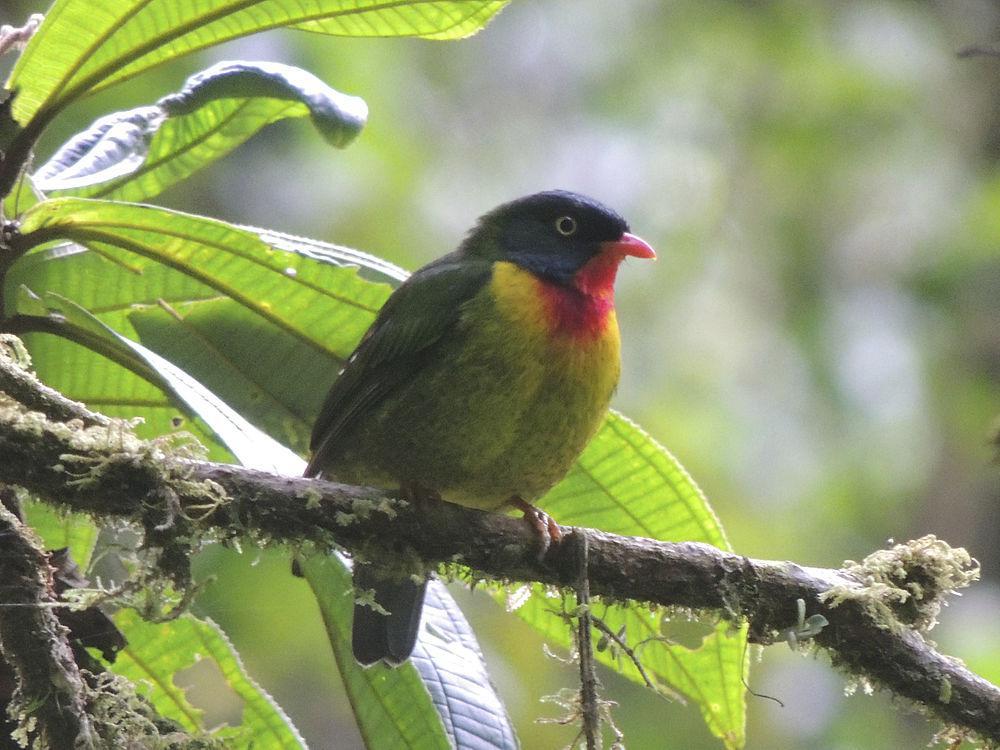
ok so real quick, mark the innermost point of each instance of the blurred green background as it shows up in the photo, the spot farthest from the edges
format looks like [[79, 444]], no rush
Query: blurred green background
[[819, 342]]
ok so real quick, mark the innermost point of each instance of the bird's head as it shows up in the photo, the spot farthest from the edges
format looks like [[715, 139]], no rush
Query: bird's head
[[562, 237]]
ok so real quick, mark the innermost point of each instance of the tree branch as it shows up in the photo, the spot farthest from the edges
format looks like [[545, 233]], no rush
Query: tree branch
[[50, 689], [25, 388], [103, 469]]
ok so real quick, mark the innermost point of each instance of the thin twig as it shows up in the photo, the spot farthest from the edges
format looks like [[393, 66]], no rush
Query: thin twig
[[590, 713], [630, 653]]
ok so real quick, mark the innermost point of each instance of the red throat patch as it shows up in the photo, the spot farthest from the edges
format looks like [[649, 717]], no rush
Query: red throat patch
[[581, 310]]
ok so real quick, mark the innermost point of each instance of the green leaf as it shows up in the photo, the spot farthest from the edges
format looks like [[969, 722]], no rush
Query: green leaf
[[296, 297], [626, 483], [157, 652], [83, 47], [75, 353], [58, 529], [392, 706], [216, 339], [211, 415], [228, 322], [88, 376], [368, 266], [111, 149], [84, 361], [338, 117], [100, 283], [136, 154], [243, 440], [446, 673]]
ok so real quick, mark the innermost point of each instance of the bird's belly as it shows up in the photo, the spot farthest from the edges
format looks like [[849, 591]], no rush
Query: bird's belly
[[504, 409]]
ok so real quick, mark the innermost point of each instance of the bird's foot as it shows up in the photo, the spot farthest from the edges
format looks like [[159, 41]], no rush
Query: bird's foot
[[547, 529], [418, 496]]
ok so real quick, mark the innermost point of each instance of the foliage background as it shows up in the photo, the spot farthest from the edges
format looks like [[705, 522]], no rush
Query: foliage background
[[819, 343]]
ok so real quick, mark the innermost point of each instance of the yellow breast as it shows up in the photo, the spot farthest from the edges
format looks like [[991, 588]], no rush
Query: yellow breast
[[524, 302]]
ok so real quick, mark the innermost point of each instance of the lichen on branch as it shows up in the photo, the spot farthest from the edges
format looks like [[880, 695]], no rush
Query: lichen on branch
[[49, 705], [907, 584]]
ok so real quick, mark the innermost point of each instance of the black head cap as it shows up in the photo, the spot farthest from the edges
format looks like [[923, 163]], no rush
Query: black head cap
[[552, 233]]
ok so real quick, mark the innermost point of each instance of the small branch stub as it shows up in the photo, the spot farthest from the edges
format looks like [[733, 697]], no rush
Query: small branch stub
[[17, 37]]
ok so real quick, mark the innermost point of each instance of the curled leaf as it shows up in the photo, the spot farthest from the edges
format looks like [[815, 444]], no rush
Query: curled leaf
[[339, 117], [137, 153], [114, 146]]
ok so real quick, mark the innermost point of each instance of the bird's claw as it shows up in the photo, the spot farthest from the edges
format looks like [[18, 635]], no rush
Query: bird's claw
[[549, 532], [418, 496]]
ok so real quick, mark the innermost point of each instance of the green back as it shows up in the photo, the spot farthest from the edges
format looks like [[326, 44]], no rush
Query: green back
[[398, 345]]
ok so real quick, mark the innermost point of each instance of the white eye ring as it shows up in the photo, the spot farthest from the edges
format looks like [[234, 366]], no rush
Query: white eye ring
[[566, 225]]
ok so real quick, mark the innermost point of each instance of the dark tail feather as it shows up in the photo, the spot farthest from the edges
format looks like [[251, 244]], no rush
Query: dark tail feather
[[389, 638]]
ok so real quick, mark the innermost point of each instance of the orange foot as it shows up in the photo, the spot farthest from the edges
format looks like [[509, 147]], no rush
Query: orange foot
[[547, 529]]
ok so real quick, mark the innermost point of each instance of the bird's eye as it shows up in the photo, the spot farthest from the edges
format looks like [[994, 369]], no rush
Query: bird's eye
[[566, 225]]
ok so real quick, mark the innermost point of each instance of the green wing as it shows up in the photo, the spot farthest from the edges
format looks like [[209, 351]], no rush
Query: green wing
[[396, 347]]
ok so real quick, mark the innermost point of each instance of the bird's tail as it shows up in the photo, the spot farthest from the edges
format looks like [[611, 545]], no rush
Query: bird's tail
[[386, 637]]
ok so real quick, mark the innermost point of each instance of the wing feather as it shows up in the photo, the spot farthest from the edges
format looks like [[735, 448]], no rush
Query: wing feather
[[397, 346]]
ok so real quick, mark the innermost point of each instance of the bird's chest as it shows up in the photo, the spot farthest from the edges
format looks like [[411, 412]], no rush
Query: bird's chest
[[540, 377], [560, 361], [554, 334], [506, 405]]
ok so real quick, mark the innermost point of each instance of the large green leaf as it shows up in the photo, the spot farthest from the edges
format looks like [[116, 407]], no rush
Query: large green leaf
[[299, 297], [235, 313], [86, 45], [220, 349], [392, 705], [222, 337], [87, 376], [136, 154], [96, 369], [247, 444], [77, 354], [156, 652]]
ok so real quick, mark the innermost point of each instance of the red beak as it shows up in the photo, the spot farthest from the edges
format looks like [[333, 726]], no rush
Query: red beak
[[629, 244]]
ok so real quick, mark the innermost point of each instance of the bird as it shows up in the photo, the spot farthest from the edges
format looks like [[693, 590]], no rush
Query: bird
[[480, 381]]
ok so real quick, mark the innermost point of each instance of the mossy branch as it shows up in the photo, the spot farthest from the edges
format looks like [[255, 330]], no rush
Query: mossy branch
[[878, 610], [50, 703]]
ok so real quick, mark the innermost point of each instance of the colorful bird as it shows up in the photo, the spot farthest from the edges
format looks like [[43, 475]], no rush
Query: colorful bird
[[480, 381]]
